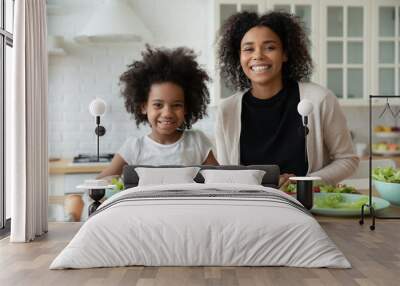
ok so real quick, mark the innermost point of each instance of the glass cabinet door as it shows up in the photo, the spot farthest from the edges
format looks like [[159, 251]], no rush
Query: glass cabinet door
[[304, 12], [345, 54], [225, 10], [302, 8], [307, 11], [388, 47]]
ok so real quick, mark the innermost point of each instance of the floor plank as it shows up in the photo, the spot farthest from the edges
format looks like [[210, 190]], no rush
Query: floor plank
[[374, 255]]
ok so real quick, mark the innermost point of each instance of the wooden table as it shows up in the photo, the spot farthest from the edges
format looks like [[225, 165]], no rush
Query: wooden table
[[65, 166]]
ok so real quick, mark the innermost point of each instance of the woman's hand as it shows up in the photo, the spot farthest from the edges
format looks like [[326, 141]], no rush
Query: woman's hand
[[284, 180]]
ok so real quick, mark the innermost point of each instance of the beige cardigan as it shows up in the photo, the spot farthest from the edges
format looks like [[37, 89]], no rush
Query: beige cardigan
[[329, 148]]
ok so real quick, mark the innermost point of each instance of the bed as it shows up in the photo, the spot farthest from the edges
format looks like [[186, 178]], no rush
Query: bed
[[201, 224]]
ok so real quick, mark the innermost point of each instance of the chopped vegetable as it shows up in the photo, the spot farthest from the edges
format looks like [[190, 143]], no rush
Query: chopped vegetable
[[291, 188], [340, 188], [388, 175], [323, 188], [337, 201], [119, 185]]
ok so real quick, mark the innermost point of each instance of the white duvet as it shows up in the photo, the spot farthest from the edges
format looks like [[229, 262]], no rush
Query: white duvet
[[183, 231]]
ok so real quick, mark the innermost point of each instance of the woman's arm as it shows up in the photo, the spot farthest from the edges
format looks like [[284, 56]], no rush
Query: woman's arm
[[220, 139], [210, 160], [114, 169], [337, 139]]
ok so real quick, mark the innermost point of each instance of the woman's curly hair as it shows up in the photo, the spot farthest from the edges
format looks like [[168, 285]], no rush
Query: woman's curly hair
[[288, 28], [160, 65]]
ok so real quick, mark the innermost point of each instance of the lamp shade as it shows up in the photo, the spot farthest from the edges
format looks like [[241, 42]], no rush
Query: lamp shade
[[97, 107], [305, 107], [114, 21]]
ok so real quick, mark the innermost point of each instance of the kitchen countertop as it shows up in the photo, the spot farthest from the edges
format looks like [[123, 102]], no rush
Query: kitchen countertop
[[65, 166], [377, 157]]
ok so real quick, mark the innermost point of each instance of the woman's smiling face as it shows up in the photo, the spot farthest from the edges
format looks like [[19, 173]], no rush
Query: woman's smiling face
[[262, 56]]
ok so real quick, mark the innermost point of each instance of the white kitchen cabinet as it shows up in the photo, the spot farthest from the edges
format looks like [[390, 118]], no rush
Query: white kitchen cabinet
[[355, 45], [307, 11], [223, 10], [345, 46], [386, 47]]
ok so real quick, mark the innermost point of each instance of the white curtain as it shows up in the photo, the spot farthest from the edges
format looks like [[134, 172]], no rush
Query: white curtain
[[28, 123]]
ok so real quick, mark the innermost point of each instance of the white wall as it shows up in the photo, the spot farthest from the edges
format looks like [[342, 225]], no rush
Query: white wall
[[89, 71]]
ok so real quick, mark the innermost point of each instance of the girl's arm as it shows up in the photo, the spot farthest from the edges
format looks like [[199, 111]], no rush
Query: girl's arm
[[114, 169], [210, 160]]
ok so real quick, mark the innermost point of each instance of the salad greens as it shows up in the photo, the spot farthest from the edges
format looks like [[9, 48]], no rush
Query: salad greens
[[388, 175], [119, 185], [340, 188], [337, 201], [324, 188], [291, 188]]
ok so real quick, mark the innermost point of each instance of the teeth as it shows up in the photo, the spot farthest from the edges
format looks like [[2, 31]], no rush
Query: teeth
[[261, 68]]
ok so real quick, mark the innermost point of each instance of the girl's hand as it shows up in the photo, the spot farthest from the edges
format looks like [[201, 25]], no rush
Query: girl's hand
[[284, 180]]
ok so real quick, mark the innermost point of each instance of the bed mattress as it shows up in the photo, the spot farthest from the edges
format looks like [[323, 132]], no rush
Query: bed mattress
[[201, 225]]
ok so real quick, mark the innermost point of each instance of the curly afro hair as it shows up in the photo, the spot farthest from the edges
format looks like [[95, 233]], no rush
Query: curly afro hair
[[160, 65], [288, 28]]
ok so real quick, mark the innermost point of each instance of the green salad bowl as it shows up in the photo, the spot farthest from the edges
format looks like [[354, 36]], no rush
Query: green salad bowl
[[388, 191]]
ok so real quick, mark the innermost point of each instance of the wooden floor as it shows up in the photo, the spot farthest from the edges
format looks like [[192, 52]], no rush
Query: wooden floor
[[374, 255]]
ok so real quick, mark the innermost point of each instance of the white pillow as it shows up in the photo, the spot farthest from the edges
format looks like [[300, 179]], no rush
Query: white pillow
[[248, 177], [164, 176]]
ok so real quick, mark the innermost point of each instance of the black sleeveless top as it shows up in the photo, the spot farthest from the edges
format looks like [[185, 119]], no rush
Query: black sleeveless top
[[272, 131]]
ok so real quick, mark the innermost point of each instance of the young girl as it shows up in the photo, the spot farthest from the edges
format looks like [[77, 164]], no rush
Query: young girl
[[266, 59], [166, 89]]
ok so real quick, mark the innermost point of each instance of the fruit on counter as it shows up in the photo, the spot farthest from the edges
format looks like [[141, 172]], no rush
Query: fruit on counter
[[384, 147], [383, 128], [392, 146]]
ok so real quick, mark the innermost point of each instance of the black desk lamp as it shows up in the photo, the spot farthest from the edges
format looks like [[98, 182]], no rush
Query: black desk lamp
[[97, 108], [304, 108], [304, 185]]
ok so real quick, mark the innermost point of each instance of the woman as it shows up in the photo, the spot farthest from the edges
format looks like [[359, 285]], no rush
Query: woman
[[267, 60]]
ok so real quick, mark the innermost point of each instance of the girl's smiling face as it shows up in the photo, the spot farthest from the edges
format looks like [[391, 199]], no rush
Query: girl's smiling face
[[262, 56], [165, 110]]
